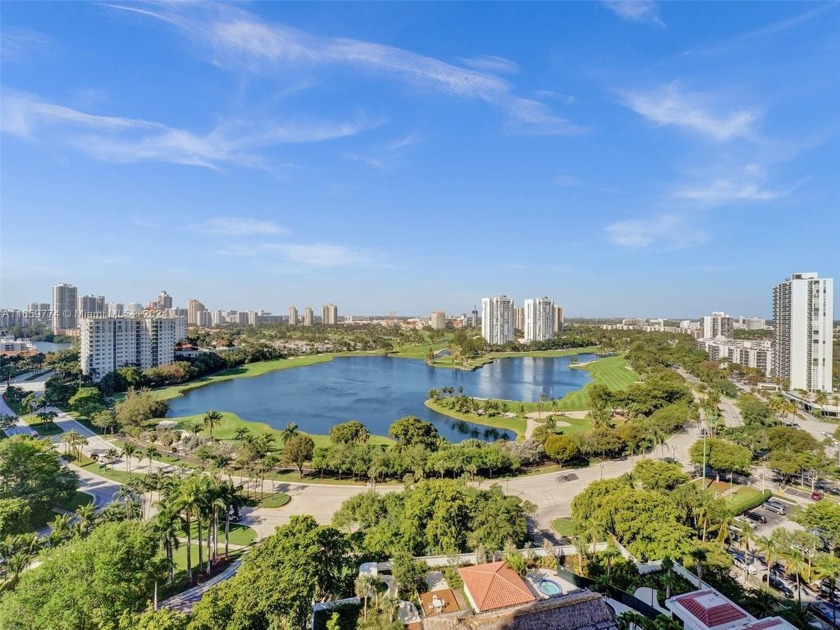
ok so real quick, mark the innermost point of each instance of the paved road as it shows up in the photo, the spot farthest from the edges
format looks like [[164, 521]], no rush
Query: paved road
[[186, 600]]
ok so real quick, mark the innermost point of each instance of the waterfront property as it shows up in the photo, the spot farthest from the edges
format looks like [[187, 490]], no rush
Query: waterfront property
[[378, 390]]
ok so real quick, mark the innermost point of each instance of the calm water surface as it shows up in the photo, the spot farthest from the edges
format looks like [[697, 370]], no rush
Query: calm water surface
[[378, 390], [49, 346]]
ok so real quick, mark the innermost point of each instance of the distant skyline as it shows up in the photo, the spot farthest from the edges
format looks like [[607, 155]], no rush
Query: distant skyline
[[623, 158]]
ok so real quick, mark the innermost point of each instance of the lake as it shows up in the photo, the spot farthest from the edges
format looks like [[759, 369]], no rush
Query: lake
[[378, 390], [49, 346]]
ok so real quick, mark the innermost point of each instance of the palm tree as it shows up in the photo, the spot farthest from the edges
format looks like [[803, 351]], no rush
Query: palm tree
[[699, 555], [820, 398], [186, 502], [364, 585], [86, 518], [798, 615], [232, 497], [795, 564], [150, 452], [240, 433], [289, 432], [747, 537], [211, 419], [827, 567], [769, 547], [60, 529], [167, 526], [128, 451]]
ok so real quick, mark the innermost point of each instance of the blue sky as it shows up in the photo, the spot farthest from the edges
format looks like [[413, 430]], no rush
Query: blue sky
[[622, 158]]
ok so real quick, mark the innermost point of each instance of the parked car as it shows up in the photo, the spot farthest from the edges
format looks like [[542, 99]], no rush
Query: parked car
[[741, 562], [775, 506], [825, 589], [755, 516], [816, 495], [779, 585]]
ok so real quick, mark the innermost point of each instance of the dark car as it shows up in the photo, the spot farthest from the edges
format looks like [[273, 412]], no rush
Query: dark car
[[779, 585], [755, 516]]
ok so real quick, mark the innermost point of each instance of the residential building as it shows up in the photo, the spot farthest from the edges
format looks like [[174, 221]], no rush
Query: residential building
[[40, 312], [162, 303], [474, 317], [133, 308], [438, 320], [64, 307], [204, 318], [91, 306], [518, 318], [307, 316], [241, 318], [558, 319], [329, 314], [217, 318], [193, 306], [114, 309], [803, 313], [707, 609], [717, 324], [497, 320], [539, 319], [293, 316], [751, 323], [108, 343], [755, 354]]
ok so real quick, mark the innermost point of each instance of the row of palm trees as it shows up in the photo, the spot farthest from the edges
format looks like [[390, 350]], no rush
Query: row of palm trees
[[200, 502]]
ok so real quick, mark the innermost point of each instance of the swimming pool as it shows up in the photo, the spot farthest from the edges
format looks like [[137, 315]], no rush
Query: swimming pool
[[547, 587]]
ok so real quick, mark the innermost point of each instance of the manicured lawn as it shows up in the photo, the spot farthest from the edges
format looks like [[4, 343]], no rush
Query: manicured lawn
[[517, 425], [75, 502], [419, 351], [563, 526], [239, 534], [226, 429], [249, 370], [109, 472], [180, 556], [43, 428], [276, 500], [611, 371]]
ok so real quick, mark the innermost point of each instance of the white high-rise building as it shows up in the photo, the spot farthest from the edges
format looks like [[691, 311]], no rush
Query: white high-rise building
[[91, 306], [133, 308], [438, 320], [64, 307], [803, 312], [307, 316], [193, 306], [109, 343], [539, 319], [115, 309], [497, 320], [293, 316], [204, 318], [716, 325], [329, 314]]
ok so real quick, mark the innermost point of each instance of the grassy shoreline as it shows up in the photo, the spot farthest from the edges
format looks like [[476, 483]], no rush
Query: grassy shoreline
[[608, 370]]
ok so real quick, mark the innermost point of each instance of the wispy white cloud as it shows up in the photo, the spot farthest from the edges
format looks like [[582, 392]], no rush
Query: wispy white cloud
[[306, 256], [491, 63], [645, 11], [125, 140], [567, 181], [748, 184], [236, 226], [369, 160], [670, 105], [668, 230], [239, 38], [18, 45]]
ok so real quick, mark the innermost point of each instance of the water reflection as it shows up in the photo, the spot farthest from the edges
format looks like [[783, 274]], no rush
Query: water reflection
[[378, 390]]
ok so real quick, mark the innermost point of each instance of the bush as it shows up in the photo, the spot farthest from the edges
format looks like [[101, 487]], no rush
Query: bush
[[745, 500]]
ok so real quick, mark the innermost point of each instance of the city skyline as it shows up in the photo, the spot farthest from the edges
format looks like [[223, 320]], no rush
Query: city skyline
[[370, 155]]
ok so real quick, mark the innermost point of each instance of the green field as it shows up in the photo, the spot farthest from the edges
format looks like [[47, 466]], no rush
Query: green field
[[517, 425], [563, 526], [612, 372], [270, 501], [43, 428], [76, 501], [472, 364], [239, 534]]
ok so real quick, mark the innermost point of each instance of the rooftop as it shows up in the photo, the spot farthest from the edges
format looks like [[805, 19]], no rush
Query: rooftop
[[492, 586]]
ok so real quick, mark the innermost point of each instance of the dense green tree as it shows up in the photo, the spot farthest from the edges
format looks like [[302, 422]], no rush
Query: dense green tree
[[825, 517], [300, 563], [411, 431], [298, 450], [87, 401], [754, 411], [721, 455], [30, 469], [351, 432], [88, 583], [15, 515], [161, 619], [139, 407], [561, 448], [792, 440], [656, 474]]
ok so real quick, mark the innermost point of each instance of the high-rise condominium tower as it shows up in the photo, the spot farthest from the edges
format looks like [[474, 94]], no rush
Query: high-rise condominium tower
[[293, 316], [803, 311], [716, 325], [108, 343], [64, 307], [497, 320], [193, 306], [539, 319], [438, 320], [307, 316], [329, 314]]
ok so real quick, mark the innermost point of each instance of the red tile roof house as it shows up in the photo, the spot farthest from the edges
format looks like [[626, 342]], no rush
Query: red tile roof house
[[493, 586], [709, 610]]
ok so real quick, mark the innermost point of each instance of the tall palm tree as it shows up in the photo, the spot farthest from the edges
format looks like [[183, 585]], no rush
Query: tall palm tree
[[150, 452], [60, 529], [211, 419], [186, 502], [795, 563], [85, 519], [747, 537], [827, 567], [167, 527], [768, 545], [128, 451], [240, 433], [232, 497], [289, 432], [699, 555]]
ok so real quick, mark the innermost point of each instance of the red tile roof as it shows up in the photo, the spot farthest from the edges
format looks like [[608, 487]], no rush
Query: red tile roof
[[493, 586], [711, 609]]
